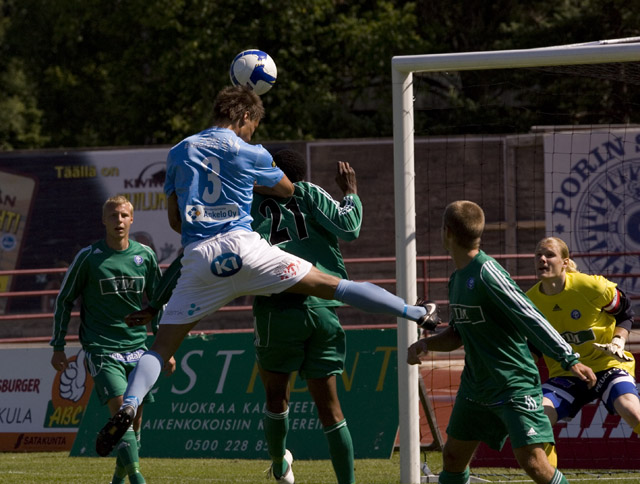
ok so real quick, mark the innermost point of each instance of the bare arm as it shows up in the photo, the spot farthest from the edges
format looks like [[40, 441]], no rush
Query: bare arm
[[173, 211], [283, 189], [447, 340]]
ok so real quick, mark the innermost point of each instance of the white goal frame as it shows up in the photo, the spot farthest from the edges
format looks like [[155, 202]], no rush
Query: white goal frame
[[403, 67]]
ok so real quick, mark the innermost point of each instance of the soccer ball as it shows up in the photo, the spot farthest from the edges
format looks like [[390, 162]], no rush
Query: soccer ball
[[254, 69]]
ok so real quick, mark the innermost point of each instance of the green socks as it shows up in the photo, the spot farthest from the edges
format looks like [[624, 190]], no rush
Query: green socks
[[276, 426], [446, 477], [558, 478], [128, 457], [341, 451]]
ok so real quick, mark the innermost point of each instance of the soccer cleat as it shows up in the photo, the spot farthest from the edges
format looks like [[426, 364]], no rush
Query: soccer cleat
[[287, 478], [113, 431], [430, 320]]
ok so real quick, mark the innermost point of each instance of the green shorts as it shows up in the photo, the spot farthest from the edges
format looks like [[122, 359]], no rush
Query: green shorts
[[110, 373], [308, 340], [522, 419]]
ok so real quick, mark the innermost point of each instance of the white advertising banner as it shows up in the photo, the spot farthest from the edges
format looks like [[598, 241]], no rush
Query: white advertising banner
[[592, 187], [41, 409], [139, 175]]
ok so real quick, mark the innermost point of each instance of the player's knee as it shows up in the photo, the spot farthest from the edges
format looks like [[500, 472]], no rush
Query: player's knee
[[452, 461], [533, 460]]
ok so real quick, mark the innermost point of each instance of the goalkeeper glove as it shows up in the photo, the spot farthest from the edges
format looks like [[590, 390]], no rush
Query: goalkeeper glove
[[615, 348]]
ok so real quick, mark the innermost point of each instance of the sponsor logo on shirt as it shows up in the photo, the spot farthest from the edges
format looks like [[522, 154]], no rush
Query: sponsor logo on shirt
[[467, 314], [578, 337], [219, 213], [121, 285]]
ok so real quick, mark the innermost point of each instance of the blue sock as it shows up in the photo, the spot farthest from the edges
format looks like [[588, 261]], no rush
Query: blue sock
[[143, 377], [373, 299]]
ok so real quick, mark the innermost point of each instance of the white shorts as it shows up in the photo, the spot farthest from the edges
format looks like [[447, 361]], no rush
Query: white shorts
[[217, 270]]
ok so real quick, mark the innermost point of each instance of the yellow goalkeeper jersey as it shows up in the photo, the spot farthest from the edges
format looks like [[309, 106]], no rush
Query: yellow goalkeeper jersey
[[577, 314]]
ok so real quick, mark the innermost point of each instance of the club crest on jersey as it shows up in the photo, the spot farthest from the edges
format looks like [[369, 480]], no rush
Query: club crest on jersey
[[138, 260], [226, 264], [471, 283], [575, 314]]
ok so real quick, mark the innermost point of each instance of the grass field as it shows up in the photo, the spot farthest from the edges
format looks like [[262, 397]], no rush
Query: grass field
[[59, 468]]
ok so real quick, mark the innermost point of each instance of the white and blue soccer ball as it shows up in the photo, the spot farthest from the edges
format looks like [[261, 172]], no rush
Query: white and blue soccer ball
[[255, 69]]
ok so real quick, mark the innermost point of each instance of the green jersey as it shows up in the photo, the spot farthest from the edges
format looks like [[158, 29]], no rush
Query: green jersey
[[309, 225], [495, 319], [111, 284]]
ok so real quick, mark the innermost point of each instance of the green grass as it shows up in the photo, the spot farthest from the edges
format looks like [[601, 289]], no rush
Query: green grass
[[59, 468]]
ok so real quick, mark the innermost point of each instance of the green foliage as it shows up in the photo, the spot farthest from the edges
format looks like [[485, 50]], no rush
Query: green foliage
[[19, 116], [146, 72], [82, 73]]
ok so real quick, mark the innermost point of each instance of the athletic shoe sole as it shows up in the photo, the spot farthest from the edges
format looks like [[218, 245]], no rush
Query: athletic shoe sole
[[113, 431], [430, 320]]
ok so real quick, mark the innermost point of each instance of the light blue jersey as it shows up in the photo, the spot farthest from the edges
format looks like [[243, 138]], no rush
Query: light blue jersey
[[212, 174]]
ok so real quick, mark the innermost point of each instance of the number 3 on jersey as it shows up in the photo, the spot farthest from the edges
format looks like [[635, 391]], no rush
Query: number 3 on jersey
[[280, 227], [213, 186]]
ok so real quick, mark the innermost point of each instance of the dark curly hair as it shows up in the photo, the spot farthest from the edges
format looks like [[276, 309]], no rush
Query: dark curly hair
[[292, 164]]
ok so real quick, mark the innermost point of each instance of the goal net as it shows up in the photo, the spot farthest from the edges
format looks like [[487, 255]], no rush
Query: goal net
[[545, 141]]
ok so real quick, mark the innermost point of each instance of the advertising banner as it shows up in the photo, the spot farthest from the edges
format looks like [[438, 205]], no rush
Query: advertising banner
[[593, 199], [51, 207], [41, 410], [213, 405], [16, 199]]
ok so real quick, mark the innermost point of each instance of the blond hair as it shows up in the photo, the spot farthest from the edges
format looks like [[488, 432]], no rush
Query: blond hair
[[465, 219], [116, 200], [564, 251]]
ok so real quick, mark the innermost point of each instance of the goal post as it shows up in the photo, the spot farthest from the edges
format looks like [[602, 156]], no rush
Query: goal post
[[403, 68]]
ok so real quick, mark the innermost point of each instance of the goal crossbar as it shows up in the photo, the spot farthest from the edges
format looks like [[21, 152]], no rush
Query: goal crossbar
[[403, 67]]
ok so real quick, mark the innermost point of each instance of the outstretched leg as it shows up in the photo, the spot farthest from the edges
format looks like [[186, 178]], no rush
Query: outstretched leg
[[141, 380], [361, 295]]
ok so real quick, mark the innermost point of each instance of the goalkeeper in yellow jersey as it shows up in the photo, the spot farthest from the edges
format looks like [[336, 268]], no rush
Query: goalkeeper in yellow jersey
[[595, 318]]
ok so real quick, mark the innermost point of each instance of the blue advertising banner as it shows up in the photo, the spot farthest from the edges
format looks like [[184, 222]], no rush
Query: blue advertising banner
[[213, 405]]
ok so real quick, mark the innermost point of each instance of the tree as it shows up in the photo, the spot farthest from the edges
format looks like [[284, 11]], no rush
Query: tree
[[19, 115], [140, 72], [145, 72]]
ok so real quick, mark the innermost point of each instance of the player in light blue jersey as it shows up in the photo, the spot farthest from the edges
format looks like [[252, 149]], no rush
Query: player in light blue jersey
[[217, 199], [210, 181]]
